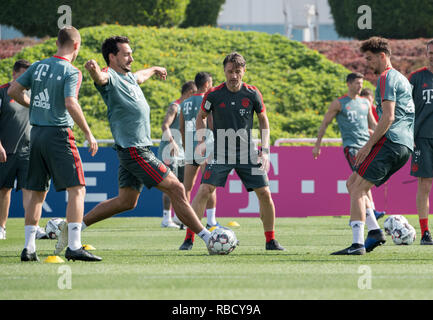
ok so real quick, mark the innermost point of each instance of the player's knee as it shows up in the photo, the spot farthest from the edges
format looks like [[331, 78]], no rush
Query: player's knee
[[264, 194], [206, 189], [177, 190], [425, 185]]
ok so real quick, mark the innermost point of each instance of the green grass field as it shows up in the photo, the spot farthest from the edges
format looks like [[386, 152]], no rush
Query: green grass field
[[141, 261]]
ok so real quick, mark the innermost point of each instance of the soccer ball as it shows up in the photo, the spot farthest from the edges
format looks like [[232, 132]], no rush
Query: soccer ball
[[222, 241], [52, 228], [389, 223], [403, 233]]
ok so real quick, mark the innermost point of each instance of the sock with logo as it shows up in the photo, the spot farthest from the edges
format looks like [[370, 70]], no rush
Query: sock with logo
[[30, 238], [423, 223], [74, 235], [190, 234], [166, 216], [205, 235], [269, 235], [357, 232], [210, 214], [370, 220]]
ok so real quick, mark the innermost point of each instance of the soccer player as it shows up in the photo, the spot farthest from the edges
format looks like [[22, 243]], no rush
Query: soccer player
[[368, 94], [422, 157], [355, 120], [193, 162], [54, 107], [388, 149], [129, 118], [172, 148], [232, 105], [14, 147]]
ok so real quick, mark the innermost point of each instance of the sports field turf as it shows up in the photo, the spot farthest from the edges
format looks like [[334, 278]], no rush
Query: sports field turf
[[141, 260]]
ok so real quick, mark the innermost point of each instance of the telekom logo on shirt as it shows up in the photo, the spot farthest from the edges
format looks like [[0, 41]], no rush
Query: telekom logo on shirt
[[427, 95], [41, 70]]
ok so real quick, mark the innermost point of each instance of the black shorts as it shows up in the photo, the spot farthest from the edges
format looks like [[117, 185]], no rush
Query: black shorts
[[422, 158], [15, 168], [140, 167], [54, 155], [350, 154], [384, 159], [251, 176]]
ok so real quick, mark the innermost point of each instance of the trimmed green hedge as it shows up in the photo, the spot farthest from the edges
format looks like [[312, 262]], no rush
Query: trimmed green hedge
[[390, 19], [297, 83]]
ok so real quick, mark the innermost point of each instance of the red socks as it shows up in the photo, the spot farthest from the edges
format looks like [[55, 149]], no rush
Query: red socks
[[189, 234], [270, 235], [424, 225]]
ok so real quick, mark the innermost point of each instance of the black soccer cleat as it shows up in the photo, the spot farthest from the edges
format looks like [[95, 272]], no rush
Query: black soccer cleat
[[274, 245], [26, 256], [374, 239], [354, 249], [80, 254], [187, 244], [426, 238]]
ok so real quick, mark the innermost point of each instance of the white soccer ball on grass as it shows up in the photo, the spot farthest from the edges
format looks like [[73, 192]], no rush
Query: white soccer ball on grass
[[52, 227], [403, 233], [391, 221], [222, 241]]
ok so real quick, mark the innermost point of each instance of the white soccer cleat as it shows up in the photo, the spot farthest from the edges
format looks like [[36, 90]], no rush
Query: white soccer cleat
[[62, 239], [2, 234], [169, 224]]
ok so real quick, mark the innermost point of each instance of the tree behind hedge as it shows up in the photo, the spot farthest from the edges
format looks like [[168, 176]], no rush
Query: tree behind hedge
[[395, 19], [39, 18], [202, 13]]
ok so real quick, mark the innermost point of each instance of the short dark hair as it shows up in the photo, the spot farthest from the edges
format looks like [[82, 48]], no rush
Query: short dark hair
[[67, 35], [353, 76], [189, 85], [201, 78], [19, 64], [376, 45], [237, 59], [110, 46], [366, 92]]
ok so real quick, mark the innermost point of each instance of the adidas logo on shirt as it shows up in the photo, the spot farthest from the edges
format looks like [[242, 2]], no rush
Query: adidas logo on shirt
[[41, 100]]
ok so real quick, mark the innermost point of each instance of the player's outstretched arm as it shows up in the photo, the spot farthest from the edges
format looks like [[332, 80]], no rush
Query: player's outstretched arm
[[333, 109], [143, 75], [17, 92], [74, 109], [99, 77]]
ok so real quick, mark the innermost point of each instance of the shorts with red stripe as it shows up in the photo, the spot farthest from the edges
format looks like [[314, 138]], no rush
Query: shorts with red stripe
[[54, 156], [350, 154], [139, 167], [384, 159]]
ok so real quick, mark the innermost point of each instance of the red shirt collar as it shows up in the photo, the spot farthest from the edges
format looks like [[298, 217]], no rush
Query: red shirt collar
[[63, 58]]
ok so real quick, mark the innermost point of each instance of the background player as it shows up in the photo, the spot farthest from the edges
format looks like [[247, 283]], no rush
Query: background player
[[368, 94], [388, 149], [54, 107], [129, 118], [188, 115], [14, 147], [233, 104], [422, 157], [355, 119], [172, 139]]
